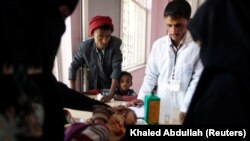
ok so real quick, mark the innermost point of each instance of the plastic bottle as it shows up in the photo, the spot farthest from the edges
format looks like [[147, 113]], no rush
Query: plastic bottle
[[152, 108]]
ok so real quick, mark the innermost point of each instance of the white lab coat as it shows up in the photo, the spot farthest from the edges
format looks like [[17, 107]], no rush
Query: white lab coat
[[159, 71]]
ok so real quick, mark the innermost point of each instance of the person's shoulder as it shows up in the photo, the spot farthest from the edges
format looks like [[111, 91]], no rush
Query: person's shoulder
[[160, 43], [87, 44], [87, 41], [189, 40], [116, 40], [190, 43], [161, 40]]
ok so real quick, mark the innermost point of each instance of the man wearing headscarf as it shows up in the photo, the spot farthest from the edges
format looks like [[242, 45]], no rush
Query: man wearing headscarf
[[221, 97], [102, 56]]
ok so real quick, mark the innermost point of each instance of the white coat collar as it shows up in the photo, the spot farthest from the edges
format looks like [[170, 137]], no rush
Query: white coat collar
[[186, 39]]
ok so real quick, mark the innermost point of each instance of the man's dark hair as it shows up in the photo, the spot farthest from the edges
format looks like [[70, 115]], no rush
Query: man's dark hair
[[178, 9], [123, 73], [106, 27]]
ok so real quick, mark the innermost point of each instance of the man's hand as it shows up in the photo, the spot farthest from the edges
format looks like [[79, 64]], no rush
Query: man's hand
[[118, 98], [119, 108], [135, 102], [106, 98], [182, 116]]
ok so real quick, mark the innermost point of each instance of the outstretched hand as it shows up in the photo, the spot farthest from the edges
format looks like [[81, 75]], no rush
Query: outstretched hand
[[119, 108], [182, 116], [135, 102], [106, 98]]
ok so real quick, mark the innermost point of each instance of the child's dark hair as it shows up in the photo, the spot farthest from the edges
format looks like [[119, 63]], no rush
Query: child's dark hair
[[178, 9], [125, 73]]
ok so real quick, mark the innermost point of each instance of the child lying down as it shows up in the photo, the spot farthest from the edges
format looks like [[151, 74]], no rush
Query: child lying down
[[106, 124]]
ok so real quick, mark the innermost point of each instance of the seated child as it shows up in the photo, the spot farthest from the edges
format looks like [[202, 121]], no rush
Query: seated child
[[123, 91], [106, 124]]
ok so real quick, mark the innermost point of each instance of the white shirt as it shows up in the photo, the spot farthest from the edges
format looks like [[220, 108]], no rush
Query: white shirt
[[175, 74]]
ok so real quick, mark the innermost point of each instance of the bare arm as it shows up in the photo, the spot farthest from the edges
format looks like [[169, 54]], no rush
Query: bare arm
[[76, 63], [135, 102], [128, 98], [111, 91]]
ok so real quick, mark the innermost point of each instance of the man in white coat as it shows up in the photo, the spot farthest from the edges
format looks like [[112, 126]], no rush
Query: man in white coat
[[173, 66]]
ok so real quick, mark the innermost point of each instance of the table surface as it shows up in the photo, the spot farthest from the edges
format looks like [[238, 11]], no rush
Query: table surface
[[83, 115]]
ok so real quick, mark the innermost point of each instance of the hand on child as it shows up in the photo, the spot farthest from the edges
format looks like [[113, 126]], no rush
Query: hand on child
[[135, 102], [106, 98], [119, 108], [182, 116], [118, 98]]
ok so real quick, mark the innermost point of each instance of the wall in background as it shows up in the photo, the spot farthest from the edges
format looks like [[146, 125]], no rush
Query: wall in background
[[106, 8]]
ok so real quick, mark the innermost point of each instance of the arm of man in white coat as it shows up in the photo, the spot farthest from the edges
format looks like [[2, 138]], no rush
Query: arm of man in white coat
[[150, 78], [198, 68]]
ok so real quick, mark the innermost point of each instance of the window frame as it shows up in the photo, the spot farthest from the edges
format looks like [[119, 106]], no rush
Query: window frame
[[134, 50]]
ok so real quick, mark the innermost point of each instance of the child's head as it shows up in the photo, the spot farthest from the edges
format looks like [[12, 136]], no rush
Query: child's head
[[118, 121], [131, 117], [128, 114], [125, 81], [114, 119], [102, 114]]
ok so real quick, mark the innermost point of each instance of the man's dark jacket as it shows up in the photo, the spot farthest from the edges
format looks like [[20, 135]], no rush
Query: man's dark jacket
[[88, 55]]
